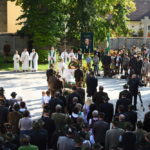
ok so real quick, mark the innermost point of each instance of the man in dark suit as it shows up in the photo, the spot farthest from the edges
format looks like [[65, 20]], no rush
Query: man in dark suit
[[117, 61], [106, 61], [38, 135], [126, 92], [99, 130], [91, 83], [123, 101], [3, 115], [71, 96], [49, 126], [128, 139], [78, 74], [99, 96], [108, 109], [131, 116], [55, 101], [134, 84]]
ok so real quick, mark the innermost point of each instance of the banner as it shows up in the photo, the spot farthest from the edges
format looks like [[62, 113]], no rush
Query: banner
[[87, 42], [108, 43]]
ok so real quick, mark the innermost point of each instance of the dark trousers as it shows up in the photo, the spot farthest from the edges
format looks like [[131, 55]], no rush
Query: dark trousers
[[106, 70]]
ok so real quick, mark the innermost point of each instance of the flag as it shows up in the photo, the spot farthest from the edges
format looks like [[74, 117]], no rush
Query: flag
[[108, 43]]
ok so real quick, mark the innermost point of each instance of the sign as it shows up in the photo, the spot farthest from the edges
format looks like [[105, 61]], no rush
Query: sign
[[87, 42]]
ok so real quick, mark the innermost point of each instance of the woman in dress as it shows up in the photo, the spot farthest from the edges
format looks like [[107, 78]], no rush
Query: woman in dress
[[16, 59]]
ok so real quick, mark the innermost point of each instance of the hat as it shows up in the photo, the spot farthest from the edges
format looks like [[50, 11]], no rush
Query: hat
[[13, 94]]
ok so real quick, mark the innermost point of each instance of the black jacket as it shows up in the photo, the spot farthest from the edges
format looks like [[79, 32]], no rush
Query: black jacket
[[53, 102], [134, 85], [108, 110], [99, 97], [125, 102], [127, 93], [3, 114], [131, 116], [147, 122], [128, 141], [39, 138], [49, 125], [78, 74], [92, 83], [106, 60]]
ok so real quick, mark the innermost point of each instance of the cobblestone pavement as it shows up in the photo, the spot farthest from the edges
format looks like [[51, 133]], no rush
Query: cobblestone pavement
[[30, 85]]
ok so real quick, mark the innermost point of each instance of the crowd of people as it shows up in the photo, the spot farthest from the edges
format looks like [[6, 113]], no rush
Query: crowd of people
[[78, 118], [72, 121], [123, 62]]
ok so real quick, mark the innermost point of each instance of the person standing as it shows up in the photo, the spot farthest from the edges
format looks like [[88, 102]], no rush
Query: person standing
[[51, 56], [112, 136], [125, 64], [96, 64], [78, 74], [71, 55], [92, 83], [100, 128], [146, 71], [34, 60], [126, 92], [25, 60], [106, 61], [16, 59], [61, 67], [117, 62], [128, 139], [134, 84], [64, 56], [79, 57]]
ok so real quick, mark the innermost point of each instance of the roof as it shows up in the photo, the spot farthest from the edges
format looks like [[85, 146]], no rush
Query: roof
[[142, 10]]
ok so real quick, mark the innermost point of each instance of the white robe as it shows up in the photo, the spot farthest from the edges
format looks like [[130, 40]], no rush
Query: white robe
[[71, 56], [25, 60], [61, 67], [64, 56], [34, 61], [16, 59]]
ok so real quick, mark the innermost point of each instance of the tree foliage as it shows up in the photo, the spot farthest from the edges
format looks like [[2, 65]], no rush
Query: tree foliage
[[48, 21], [43, 20]]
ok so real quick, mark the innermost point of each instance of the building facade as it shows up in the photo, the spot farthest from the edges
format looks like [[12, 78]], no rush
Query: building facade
[[9, 13], [140, 19]]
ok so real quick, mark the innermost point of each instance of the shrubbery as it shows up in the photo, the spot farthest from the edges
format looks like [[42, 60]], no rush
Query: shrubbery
[[43, 56]]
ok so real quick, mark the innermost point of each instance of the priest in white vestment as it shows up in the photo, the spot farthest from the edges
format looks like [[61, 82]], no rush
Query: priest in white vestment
[[16, 59], [51, 56], [25, 60], [64, 56], [34, 60], [71, 56]]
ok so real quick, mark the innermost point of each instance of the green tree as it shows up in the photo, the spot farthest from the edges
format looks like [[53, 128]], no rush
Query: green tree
[[43, 21], [99, 17], [49, 21]]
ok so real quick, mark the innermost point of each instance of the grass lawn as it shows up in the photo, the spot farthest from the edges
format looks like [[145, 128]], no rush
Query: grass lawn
[[8, 66]]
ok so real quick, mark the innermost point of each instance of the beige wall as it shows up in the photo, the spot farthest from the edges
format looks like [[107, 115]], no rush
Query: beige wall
[[13, 12], [135, 25]]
